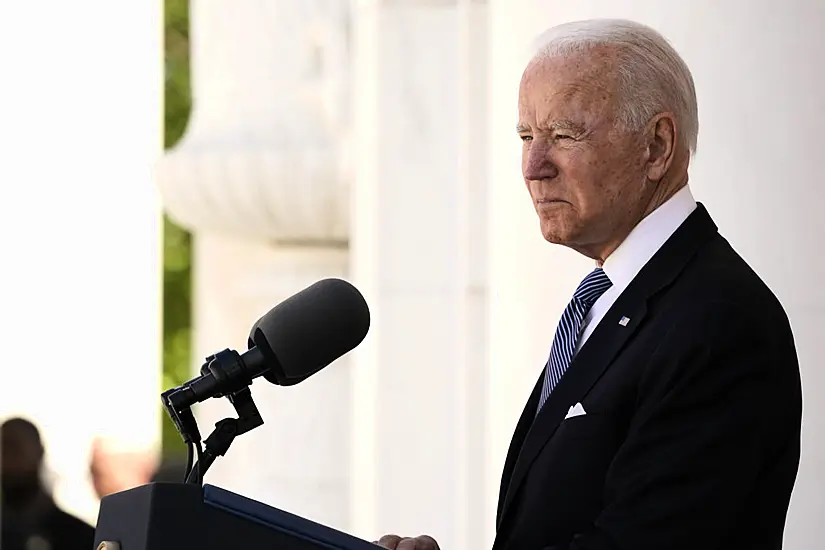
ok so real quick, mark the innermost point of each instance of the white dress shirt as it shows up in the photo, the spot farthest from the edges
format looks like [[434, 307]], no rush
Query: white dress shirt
[[641, 244]]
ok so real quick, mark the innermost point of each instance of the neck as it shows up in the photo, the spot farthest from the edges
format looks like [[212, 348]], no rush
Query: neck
[[663, 192]]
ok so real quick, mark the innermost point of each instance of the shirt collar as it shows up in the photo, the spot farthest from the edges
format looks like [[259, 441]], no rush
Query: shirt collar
[[647, 238]]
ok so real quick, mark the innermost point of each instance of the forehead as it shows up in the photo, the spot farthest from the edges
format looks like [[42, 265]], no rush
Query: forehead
[[580, 86]]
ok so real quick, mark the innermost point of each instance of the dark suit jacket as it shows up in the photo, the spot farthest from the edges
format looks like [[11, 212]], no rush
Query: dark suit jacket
[[61, 531], [691, 437]]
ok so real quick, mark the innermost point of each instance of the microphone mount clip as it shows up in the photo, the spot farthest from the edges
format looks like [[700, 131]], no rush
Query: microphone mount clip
[[222, 375]]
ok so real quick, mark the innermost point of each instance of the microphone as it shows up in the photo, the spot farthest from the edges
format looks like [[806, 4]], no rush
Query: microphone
[[294, 340]]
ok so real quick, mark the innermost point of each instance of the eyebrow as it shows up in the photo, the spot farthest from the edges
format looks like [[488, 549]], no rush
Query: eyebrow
[[565, 125], [562, 124]]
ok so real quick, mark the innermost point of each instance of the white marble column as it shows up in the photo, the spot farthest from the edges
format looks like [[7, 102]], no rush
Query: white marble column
[[475, 512], [262, 158], [260, 178], [758, 171], [417, 248], [80, 230]]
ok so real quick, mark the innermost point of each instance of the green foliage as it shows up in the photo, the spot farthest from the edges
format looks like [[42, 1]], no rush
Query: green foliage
[[177, 250], [178, 98]]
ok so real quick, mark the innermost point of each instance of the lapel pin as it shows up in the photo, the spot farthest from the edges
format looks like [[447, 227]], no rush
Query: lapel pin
[[624, 321]]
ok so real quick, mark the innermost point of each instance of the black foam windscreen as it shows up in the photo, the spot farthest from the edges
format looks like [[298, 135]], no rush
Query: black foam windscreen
[[308, 331]]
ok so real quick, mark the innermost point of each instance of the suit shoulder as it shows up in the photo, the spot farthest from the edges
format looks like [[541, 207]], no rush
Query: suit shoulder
[[719, 282], [719, 308]]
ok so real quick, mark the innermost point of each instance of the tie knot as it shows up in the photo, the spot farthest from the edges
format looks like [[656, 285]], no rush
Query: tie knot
[[594, 285]]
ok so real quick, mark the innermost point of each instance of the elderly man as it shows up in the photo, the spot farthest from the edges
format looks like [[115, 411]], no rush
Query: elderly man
[[668, 414]]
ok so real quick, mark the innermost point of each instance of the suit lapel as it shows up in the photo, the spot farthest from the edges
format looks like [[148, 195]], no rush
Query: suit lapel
[[598, 352], [585, 370]]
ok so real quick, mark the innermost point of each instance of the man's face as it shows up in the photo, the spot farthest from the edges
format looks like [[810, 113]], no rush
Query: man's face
[[585, 173]]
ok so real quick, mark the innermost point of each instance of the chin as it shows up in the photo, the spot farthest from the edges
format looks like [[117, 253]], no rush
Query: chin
[[554, 233], [556, 238]]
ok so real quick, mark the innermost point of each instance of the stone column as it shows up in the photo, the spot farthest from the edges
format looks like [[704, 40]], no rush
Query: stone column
[[476, 513], [79, 233], [762, 109], [260, 180], [418, 244]]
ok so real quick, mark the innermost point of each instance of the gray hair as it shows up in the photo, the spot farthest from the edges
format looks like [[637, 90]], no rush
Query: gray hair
[[652, 76]]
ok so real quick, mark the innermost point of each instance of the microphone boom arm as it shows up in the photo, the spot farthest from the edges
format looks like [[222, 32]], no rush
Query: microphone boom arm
[[224, 372], [219, 441]]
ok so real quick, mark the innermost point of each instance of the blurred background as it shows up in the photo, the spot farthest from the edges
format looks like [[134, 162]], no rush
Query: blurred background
[[172, 169]]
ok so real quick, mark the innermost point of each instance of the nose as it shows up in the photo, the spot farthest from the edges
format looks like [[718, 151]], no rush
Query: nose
[[537, 164]]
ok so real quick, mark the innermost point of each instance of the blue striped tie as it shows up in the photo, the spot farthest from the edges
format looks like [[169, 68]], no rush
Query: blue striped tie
[[569, 329]]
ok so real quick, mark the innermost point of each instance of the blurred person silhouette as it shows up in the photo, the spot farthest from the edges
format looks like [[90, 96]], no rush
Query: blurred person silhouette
[[113, 471], [31, 520]]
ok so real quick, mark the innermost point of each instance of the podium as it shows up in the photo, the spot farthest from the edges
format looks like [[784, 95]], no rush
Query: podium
[[180, 516]]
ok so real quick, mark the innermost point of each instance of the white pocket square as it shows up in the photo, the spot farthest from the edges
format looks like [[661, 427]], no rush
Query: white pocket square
[[575, 410]]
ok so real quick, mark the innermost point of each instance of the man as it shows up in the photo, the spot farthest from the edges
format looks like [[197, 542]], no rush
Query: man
[[31, 519], [668, 414]]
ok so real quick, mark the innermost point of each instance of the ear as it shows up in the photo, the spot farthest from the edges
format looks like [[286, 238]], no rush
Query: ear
[[662, 141]]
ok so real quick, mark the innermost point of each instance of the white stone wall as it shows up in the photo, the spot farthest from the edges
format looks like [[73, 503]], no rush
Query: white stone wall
[[418, 248]]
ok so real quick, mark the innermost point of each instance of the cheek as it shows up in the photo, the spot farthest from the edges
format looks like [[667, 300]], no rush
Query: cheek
[[595, 178], [583, 177]]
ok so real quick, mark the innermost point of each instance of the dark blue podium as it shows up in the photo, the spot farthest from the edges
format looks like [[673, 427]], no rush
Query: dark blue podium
[[190, 517]]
